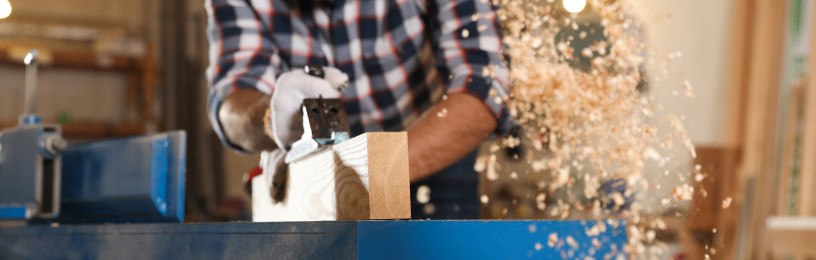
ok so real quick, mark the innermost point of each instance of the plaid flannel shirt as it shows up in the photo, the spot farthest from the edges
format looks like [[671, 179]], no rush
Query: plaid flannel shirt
[[401, 56]]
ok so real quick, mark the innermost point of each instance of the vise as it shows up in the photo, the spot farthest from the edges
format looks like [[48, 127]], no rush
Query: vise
[[30, 168], [44, 179]]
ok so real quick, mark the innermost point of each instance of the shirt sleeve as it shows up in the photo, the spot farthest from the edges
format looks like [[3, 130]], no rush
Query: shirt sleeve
[[241, 54], [470, 53]]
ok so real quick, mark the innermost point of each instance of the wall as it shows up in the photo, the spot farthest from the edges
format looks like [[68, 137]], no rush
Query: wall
[[84, 94], [699, 29], [129, 14]]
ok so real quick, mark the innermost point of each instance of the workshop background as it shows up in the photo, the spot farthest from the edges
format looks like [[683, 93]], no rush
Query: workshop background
[[113, 68]]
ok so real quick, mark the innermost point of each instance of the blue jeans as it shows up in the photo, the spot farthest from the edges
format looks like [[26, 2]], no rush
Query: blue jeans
[[454, 192]]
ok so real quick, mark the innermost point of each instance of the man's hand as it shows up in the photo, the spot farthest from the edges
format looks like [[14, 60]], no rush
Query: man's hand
[[448, 131], [242, 119]]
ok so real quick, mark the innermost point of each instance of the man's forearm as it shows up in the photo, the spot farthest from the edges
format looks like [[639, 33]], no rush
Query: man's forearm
[[447, 132], [242, 120]]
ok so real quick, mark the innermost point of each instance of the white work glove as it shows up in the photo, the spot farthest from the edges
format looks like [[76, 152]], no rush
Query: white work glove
[[286, 120], [291, 89]]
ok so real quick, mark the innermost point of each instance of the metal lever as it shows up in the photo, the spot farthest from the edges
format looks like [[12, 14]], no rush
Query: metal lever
[[31, 81], [28, 117]]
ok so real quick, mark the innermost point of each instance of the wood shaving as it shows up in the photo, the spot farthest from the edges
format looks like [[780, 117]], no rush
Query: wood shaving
[[726, 203], [429, 209], [683, 192], [552, 239], [442, 113], [593, 123], [423, 194], [572, 243]]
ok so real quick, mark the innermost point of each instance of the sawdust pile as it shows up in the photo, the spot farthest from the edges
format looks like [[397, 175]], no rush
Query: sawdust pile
[[586, 113]]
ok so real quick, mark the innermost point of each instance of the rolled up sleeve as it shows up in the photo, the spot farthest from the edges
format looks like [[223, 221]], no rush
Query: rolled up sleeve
[[241, 54], [470, 52]]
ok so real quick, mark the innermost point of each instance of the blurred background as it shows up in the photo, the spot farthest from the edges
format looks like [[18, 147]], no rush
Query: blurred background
[[114, 68]]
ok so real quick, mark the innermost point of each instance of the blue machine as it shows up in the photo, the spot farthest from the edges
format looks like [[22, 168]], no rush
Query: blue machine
[[30, 170], [137, 179], [399, 239], [42, 178]]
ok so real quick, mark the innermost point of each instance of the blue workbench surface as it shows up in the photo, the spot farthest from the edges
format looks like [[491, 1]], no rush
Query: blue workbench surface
[[397, 239]]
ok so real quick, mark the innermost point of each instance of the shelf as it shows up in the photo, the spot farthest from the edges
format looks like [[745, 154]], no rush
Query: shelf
[[74, 60], [93, 130]]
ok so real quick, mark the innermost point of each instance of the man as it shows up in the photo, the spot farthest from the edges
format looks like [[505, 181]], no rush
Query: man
[[433, 68]]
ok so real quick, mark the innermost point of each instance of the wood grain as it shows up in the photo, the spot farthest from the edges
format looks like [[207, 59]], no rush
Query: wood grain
[[389, 154], [365, 177]]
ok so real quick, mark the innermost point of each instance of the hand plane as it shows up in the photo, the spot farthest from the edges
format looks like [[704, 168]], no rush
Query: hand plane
[[324, 123], [321, 114]]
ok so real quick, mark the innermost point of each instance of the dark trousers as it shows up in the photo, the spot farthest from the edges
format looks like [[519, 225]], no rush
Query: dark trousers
[[454, 192]]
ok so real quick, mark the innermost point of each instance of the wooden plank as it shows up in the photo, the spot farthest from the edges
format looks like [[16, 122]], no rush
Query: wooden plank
[[789, 236], [706, 204], [363, 178], [739, 70], [726, 237], [789, 139], [808, 188], [707, 211], [759, 144]]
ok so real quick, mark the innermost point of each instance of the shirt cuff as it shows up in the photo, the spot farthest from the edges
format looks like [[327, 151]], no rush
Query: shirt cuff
[[215, 100], [493, 93]]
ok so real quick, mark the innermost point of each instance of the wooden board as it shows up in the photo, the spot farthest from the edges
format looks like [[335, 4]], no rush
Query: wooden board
[[807, 204], [363, 178], [791, 236], [707, 212], [788, 159], [756, 181], [740, 59]]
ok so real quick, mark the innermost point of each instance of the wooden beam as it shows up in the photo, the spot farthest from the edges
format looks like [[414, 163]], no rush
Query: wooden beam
[[363, 178], [790, 139], [759, 125], [759, 153], [739, 70], [740, 56], [807, 204]]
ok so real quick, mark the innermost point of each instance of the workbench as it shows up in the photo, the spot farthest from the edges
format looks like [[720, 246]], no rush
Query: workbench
[[386, 239]]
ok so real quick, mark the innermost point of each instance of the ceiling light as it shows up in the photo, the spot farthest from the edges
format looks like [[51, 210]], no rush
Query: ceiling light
[[574, 6], [5, 9]]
